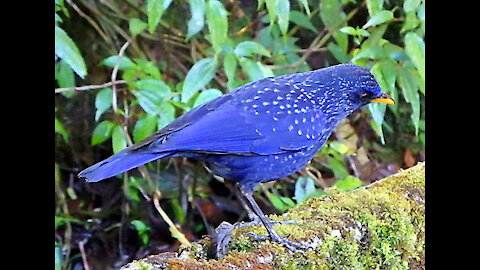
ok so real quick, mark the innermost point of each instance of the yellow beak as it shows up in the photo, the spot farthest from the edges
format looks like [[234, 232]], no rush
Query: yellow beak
[[387, 100]]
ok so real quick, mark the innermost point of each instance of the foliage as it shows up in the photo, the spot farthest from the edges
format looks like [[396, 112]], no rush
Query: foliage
[[182, 54]]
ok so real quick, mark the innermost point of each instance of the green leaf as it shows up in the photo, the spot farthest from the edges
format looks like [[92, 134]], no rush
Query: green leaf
[[254, 70], [415, 48], [152, 93], [206, 96], [379, 18], [338, 168], [136, 26], [272, 10], [305, 6], [196, 23], [66, 49], [280, 203], [103, 101], [374, 6], [331, 13], [60, 129], [304, 188], [339, 147], [125, 62], [119, 142], [64, 75], [248, 48], [337, 52], [409, 86], [102, 132], [230, 67], [217, 24], [348, 183], [155, 10], [302, 20], [283, 13], [142, 229], [197, 77], [167, 115], [411, 5], [349, 30], [144, 127]]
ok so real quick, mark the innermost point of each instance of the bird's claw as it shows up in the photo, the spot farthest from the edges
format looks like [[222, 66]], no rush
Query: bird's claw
[[290, 245], [257, 221]]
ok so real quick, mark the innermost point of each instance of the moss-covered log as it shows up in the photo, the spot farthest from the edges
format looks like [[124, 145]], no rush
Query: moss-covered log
[[380, 226]]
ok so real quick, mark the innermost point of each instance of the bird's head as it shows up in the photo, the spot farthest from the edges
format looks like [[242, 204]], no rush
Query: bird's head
[[351, 87]]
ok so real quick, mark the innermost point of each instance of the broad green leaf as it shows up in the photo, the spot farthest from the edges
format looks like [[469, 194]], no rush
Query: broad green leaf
[[337, 52], [119, 142], [379, 18], [197, 77], [408, 84], [302, 20], [136, 26], [304, 188], [66, 49], [206, 96], [65, 77], [230, 67], [217, 24], [415, 48], [272, 10], [283, 13], [411, 22], [254, 70], [144, 127], [349, 30], [60, 129], [331, 13], [111, 61], [363, 32], [102, 132], [103, 101], [374, 6], [151, 94], [155, 10], [57, 18], [197, 21], [249, 48], [166, 115], [348, 183], [411, 5]]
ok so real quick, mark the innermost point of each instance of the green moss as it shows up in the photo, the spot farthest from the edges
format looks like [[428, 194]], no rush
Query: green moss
[[381, 226]]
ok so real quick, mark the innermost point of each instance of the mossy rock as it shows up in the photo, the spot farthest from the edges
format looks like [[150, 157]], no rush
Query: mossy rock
[[379, 226]]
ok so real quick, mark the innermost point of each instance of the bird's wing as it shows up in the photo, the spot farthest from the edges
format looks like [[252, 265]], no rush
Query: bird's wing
[[231, 125]]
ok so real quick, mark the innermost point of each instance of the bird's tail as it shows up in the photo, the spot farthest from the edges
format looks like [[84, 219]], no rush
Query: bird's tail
[[118, 163]]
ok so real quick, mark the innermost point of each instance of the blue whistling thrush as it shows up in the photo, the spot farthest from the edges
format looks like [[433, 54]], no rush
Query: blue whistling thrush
[[261, 131]]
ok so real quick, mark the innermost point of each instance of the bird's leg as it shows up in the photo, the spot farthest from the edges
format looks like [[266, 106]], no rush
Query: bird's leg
[[292, 246], [254, 219]]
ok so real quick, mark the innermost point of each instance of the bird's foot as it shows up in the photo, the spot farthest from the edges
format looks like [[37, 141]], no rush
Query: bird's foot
[[290, 245], [257, 221]]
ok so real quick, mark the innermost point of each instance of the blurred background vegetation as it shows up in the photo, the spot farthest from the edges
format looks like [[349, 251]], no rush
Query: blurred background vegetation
[[126, 68]]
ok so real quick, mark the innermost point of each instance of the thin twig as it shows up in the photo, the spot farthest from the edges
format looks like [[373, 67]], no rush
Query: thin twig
[[88, 87], [84, 256], [173, 229], [114, 76]]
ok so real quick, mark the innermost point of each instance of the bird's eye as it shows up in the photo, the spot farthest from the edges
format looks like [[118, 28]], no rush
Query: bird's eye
[[364, 95]]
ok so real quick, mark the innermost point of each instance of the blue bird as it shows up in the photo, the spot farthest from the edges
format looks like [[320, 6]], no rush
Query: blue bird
[[261, 131]]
